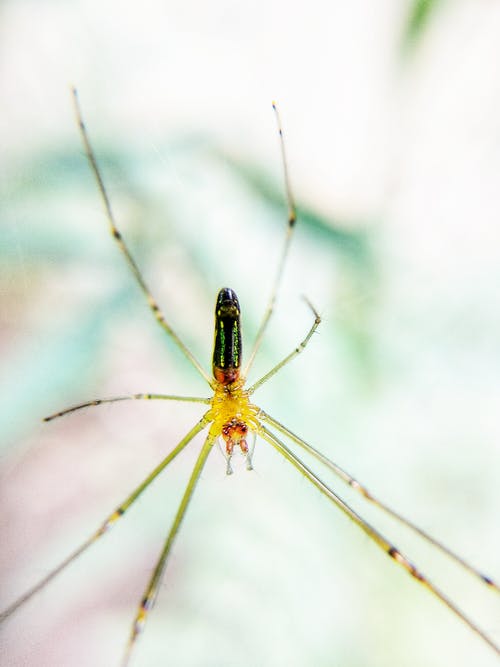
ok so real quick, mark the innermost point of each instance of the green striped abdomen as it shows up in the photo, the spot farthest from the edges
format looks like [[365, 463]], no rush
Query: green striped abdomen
[[227, 346]]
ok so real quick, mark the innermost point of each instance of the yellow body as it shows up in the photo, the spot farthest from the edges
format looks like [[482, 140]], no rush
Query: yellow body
[[232, 403]]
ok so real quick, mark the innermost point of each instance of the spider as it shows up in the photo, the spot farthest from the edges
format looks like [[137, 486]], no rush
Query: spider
[[234, 421]]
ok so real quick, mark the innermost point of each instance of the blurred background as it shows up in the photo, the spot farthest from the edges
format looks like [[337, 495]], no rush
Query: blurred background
[[391, 112]]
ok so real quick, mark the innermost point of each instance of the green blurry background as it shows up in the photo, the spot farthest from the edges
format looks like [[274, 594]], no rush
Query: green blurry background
[[392, 120]]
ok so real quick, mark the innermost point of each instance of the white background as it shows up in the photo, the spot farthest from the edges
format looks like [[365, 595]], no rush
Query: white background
[[403, 144]]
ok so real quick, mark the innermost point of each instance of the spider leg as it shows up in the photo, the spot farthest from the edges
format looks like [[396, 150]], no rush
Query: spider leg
[[151, 591], [378, 538], [133, 397], [108, 523], [300, 348], [292, 219], [357, 486], [124, 248]]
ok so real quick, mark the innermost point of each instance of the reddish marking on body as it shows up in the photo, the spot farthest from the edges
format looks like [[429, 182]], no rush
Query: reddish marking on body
[[234, 433], [226, 375]]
